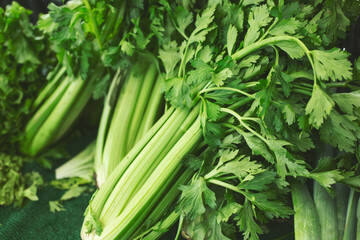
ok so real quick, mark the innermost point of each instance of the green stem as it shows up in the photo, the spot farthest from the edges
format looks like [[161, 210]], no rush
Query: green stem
[[150, 189], [182, 67], [302, 92], [271, 41], [228, 89], [49, 88], [269, 29], [350, 224], [306, 221], [93, 24], [225, 185], [181, 221], [240, 119], [105, 121], [337, 84]]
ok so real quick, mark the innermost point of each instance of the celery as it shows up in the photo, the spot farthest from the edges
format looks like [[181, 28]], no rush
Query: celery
[[50, 87], [306, 220], [136, 108], [326, 209], [152, 187], [79, 166], [351, 215], [342, 198]]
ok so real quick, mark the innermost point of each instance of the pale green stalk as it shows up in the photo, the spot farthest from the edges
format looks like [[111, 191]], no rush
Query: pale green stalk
[[306, 220], [152, 109], [115, 144], [109, 105], [147, 159], [140, 202], [41, 115], [341, 198], [102, 195], [140, 106], [82, 165], [49, 88], [165, 203], [326, 209], [76, 107], [350, 224]]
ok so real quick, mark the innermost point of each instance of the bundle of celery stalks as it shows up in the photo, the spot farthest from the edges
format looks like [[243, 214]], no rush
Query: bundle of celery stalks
[[219, 116]]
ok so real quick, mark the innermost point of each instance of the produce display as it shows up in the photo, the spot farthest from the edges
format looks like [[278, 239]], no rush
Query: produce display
[[216, 118]]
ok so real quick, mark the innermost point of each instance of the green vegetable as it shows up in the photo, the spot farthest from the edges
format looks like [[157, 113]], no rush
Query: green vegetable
[[80, 73], [82, 165], [351, 216], [25, 60], [306, 220], [249, 79], [127, 118], [326, 209], [342, 193]]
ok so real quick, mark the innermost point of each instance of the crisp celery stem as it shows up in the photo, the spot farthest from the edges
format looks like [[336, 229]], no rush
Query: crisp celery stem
[[38, 119], [117, 136], [350, 224], [102, 195], [306, 220], [161, 142], [151, 187], [49, 88], [140, 107], [78, 105], [105, 122], [326, 209], [166, 202], [65, 113], [45, 135], [142, 217], [114, 19], [79, 166], [342, 198], [159, 229], [152, 109]]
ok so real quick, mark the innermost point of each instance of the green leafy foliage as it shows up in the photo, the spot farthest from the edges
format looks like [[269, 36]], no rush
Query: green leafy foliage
[[24, 61], [194, 197], [16, 187], [332, 64], [318, 112]]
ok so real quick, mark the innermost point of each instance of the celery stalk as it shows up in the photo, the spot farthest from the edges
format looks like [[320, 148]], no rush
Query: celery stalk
[[151, 188], [139, 167], [350, 224], [152, 109], [326, 209], [129, 110], [166, 201], [342, 198], [41, 115], [79, 166], [104, 125], [49, 88], [102, 195], [140, 106], [306, 220]]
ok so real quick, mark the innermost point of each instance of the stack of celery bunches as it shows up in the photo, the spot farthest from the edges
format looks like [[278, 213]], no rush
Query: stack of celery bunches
[[221, 116]]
